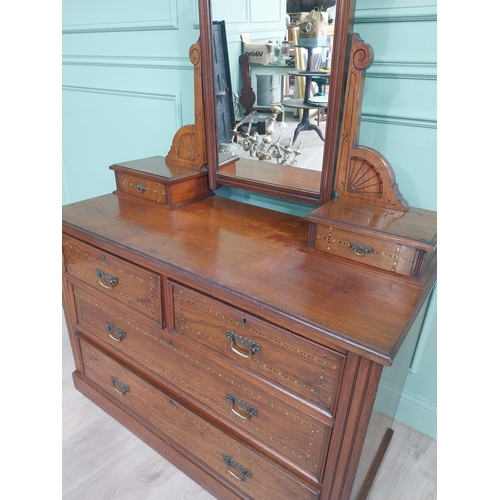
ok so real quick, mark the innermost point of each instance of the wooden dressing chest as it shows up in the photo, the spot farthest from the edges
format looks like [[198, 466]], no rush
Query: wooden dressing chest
[[261, 353], [260, 370]]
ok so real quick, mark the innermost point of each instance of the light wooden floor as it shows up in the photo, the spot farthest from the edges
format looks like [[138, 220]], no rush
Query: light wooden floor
[[102, 460]]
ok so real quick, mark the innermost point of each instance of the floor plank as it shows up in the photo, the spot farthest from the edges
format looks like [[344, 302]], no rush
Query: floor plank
[[102, 460], [408, 470]]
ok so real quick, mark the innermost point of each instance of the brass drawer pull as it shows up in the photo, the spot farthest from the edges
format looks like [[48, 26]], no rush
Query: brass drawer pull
[[140, 188], [106, 280], [236, 402], [360, 250], [119, 387], [243, 473], [112, 328], [236, 340]]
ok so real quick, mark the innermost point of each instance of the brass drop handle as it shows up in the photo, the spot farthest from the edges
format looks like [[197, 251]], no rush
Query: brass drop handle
[[238, 403], [360, 250], [106, 280], [241, 473], [112, 328], [119, 387], [140, 188], [238, 340]]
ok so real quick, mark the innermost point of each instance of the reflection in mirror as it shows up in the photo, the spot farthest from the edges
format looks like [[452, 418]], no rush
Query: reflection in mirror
[[272, 63]]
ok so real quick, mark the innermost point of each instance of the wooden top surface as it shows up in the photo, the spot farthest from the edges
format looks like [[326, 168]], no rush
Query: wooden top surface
[[273, 173], [416, 226], [252, 256], [156, 166]]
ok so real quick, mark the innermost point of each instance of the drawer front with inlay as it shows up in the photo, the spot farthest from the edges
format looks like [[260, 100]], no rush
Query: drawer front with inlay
[[243, 402], [303, 367], [253, 475], [376, 252], [135, 286], [144, 188]]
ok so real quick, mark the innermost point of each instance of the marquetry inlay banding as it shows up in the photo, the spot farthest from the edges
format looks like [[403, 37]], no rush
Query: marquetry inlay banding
[[164, 421], [82, 271], [110, 313], [169, 369], [330, 241], [317, 394], [244, 390], [257, 332], [156, 189]]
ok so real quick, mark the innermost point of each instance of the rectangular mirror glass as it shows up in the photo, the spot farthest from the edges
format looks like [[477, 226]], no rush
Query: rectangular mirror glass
[[272, 67]]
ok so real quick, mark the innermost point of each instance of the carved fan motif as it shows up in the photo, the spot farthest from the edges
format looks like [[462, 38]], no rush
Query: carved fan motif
[[363, 178], [363, 173], [185, 148]]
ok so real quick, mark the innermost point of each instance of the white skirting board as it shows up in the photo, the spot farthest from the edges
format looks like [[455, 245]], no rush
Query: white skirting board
[[418, 413]]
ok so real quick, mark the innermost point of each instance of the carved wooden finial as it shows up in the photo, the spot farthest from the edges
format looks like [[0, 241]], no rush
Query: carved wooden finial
[[189, 143], [363, 174]]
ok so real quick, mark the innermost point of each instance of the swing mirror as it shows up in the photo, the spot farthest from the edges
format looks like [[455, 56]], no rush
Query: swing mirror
[[276, 94]]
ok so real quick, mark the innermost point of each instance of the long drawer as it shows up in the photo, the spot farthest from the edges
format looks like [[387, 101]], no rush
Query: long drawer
[[303, 367], [233, 461], [133, 285], [244, 402]]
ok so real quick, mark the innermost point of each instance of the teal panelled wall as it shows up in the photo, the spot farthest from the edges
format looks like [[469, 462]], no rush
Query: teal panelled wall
[[399, 120], [128, 86], [399, 107]]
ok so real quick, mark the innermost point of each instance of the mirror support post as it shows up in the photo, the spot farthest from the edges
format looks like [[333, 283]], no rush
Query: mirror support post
[[205, 14], [342, 39], [189, 147]]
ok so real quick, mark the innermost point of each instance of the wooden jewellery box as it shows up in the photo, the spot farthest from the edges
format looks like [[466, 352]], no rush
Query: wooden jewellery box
[[399, 242]]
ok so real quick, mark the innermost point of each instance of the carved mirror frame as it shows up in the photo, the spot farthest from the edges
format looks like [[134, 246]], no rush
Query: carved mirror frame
[[344, 21]]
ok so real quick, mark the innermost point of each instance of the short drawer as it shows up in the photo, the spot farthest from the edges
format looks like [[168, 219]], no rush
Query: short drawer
[[310, 370], [236, 463], [245, 403], [376, 252], [135, 286], [139, 186]]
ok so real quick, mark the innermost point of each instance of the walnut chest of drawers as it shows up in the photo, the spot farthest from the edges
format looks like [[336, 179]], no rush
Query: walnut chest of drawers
[[253, 366]]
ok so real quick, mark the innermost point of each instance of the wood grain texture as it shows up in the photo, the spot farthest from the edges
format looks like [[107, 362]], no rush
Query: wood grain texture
[[363, 174], [102, 459], [214, 254], [173, 185], [281, 180], [230, 245], [189, 143]]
